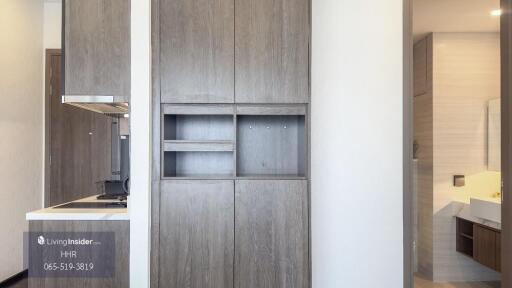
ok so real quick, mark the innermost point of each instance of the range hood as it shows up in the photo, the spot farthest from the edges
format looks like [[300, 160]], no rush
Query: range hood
[[99, 104]]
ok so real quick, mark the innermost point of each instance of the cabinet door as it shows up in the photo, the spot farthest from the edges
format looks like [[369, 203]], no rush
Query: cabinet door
[[97, 47], [271, 232], [196, 234], [272, 51], [484, 251], [196, 51]]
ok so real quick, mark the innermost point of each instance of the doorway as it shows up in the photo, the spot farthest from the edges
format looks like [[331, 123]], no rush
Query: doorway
[[444, 181]]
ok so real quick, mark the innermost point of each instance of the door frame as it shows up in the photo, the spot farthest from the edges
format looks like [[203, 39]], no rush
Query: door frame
[[506, 142], [49, 53], [408, 46]]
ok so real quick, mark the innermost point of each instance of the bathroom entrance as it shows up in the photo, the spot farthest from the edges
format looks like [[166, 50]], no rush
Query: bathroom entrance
[[460, 150]]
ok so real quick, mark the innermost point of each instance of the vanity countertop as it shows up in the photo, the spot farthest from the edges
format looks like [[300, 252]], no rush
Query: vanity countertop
[[462, 210], [89, 214]]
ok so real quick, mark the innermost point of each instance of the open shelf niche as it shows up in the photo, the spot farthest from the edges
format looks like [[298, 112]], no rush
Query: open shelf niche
[[465, 237], [198, 141], [209, 141], [271, 142]]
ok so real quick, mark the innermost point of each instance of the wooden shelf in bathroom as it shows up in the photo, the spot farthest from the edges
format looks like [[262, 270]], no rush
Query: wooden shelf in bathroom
[[466, 236]]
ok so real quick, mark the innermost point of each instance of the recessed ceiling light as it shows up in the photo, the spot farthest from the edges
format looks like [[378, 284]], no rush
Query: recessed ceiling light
[[496, 12]]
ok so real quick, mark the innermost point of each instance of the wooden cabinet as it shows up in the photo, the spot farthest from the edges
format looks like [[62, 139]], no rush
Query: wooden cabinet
[[272, 51], [196, 234], [484, 243], [479, 242], [230, 73], [97, 48], [197, 51], [271, 232]]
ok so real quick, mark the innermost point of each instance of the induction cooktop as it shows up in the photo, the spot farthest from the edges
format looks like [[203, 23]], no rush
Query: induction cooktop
[[92, 205]]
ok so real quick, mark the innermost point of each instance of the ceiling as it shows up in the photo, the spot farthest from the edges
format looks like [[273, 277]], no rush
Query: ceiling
[[454, 16]]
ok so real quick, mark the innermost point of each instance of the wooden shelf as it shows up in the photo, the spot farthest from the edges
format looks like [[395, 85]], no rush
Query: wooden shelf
[[201, 177], [270, 177], [466, 236], [199, 146]]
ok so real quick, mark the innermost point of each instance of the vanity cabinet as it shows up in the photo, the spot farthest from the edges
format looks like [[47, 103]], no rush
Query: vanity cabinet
[[97, 48], [271, 232], [484, 243], [196, 234], [272, 51], [479, 242]]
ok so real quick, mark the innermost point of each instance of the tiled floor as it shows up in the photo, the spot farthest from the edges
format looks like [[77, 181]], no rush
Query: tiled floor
[[420, 282]]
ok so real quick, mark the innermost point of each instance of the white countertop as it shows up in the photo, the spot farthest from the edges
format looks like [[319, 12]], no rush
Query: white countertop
[[462, 210], [51, 213]]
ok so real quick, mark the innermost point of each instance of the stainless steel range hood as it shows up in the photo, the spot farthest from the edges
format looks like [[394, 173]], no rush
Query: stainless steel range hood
[[99, 104]]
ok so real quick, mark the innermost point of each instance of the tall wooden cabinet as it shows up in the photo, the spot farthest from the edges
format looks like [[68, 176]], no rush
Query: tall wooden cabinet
[[97, 48], [231, 144]]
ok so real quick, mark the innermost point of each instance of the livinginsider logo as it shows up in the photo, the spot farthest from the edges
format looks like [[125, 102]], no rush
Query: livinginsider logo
[[65, 242]]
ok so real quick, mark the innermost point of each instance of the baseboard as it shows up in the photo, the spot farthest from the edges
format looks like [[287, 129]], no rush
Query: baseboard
[[15, 278]]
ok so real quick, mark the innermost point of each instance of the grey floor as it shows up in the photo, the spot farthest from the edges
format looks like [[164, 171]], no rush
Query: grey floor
[[421, 282]]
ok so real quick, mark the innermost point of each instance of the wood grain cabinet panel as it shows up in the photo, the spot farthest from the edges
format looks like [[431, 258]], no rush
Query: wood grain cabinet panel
[[97, 47], [196, 51], [271, 232], [484, 243], [498, 252], [196, 234], [272, 51]]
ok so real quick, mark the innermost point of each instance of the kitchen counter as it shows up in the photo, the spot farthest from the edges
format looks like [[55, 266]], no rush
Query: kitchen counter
[[96, 214]]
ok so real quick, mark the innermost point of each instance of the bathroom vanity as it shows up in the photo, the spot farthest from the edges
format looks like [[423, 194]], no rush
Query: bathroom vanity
[[480, 242]]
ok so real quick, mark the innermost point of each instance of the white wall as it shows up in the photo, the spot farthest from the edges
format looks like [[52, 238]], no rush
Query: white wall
[[140, 142], [21, 157], [357, 225], [52, 25]]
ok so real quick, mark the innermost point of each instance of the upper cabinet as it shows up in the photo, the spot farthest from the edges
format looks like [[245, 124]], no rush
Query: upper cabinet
[[225, 51], [97, 48], [423, 66], [196, 51], [272, 51]]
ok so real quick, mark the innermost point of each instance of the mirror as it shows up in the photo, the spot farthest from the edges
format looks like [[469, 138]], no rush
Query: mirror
[[494, 136]]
